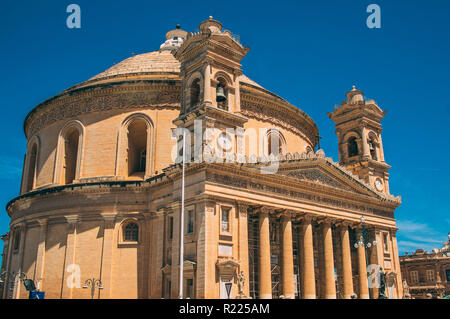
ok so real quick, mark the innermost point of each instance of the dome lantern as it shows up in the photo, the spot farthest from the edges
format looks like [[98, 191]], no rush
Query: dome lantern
[[354, 96], [210, 25], [175, 39]]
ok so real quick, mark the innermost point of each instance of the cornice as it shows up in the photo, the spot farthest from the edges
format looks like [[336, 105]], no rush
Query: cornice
[[153, 94]]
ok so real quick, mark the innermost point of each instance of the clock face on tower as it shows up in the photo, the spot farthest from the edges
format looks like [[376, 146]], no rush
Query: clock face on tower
[[379, 184], [224, 141]]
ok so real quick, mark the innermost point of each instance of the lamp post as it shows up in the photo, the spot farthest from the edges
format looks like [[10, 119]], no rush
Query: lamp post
[[365, 242], [181, 274], [93, 283]]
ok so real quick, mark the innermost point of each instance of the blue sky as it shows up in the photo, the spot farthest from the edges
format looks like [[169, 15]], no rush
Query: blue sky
[[308, 52]]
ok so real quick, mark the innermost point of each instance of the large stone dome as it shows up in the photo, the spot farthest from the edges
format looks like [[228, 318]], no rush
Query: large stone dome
[[155, 64]]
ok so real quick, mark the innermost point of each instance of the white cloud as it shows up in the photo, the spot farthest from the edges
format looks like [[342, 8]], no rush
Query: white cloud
[[414, 235]]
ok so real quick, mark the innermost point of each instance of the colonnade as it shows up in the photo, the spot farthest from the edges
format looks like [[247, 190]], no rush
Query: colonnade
[[309, 227]]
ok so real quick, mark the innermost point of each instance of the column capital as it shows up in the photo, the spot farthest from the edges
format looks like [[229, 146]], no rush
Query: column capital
[[326, 220], [207, 61], [147, 216], [42, 222], [242, 208], [161, 210], [306, 219], [297, 217], [19, 226], [109, 216], [277, 213], [393, 231], [265, 210], [343, 224], [72, 219], [109, 219], [287, 215]]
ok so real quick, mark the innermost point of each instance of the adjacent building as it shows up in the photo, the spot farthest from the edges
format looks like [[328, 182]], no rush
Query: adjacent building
[[427, 274]]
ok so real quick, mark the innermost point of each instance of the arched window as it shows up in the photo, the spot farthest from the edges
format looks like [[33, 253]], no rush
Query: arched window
[[70, 160], [275, 143], [352, 147], [137, 148], [131, 232], [194, 94], [32, 166]]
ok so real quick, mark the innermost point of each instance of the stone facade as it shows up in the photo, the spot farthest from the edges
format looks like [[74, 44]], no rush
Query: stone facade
[[101, 194]]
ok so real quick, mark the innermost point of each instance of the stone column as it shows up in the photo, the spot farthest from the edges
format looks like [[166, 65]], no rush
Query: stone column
[[18, 284], [362, 269], [243, 246], [373, 260], [175, 273], [365, 146], [237, 93], [396, 260], [288, 258], [347, 275], [40, 258], [7, 278], [5, 256], [158, 240], [107, 256], [72, 220], [330, 284], [380, 142], [308, 278], [265, 275], [207, 85]]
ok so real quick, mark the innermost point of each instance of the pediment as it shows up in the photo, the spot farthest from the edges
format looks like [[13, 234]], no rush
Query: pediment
[[372, 107], [188, 45], [228, 41], [369, 107], [322, 172], [316, 175]]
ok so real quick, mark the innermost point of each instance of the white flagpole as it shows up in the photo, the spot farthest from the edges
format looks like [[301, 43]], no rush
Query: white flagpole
[[182, 222]]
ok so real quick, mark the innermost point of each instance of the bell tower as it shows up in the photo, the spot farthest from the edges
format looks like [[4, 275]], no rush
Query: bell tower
[[210, 72], [358, 128]]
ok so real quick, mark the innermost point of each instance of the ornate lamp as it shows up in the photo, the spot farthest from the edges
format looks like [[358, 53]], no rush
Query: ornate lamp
[[364, 237], [93, 283]]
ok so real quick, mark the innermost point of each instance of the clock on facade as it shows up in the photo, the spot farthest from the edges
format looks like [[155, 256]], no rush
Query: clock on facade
[[224, 141], [379, 184]]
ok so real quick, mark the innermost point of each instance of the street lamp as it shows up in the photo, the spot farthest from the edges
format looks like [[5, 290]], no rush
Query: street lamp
[[364, 237], [93, 283]]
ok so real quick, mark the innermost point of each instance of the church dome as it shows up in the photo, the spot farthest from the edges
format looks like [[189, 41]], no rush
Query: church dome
[[151, 62], [156, 64]]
